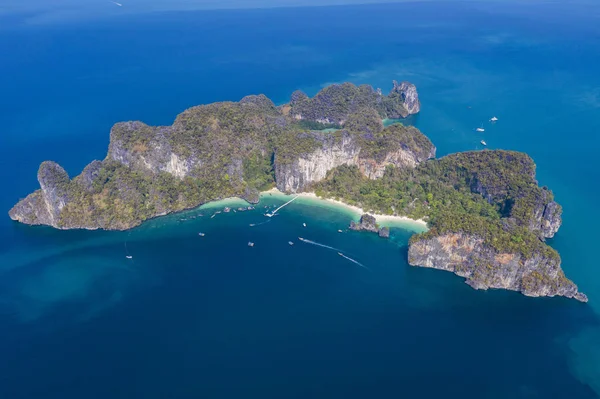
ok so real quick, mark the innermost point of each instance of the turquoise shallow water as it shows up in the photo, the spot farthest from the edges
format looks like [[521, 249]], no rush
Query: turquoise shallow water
[[194, 316]]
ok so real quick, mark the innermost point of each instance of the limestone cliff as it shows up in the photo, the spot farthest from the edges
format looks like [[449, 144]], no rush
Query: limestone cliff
[[407, 93], [140, 146], [470, 257], [45, 205], [397, 145], [295, 176]]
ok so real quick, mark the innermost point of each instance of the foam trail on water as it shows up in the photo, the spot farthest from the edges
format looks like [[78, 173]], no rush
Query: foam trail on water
[[353, 261], [258, 224], [320, 245]]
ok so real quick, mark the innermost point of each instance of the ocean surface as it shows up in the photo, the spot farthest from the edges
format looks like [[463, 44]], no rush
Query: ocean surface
[[210, 317]]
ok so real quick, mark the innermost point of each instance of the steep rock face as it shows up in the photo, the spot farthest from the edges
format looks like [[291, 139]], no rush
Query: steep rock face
[[295, 176], [399, 146], [483, 268], [45, 205], [89, 174], [140, 146], [403, 158], [544, 215], [547, 216], [410, 99]]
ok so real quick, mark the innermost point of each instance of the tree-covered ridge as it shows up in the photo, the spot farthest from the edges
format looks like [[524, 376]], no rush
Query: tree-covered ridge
[[492, 195], [120, 197], [335, 103], [506, 179]]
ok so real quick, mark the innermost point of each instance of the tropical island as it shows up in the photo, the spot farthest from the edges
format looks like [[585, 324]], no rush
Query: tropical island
[[488, 218]]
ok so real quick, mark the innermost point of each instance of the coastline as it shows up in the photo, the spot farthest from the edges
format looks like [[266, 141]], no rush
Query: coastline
[[384, 220]]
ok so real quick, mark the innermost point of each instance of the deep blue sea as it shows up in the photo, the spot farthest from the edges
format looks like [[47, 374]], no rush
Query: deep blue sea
[[210, 317]]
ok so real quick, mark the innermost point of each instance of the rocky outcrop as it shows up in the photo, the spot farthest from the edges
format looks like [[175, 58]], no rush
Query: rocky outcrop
[[468, 256], [44, 206], [384, 232], [546, 216], [410, 99], [369, 223], [537, 210], [89, 174]]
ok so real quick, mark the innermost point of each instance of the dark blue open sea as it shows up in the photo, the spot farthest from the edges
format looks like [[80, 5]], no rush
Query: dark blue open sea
[[209, 317]]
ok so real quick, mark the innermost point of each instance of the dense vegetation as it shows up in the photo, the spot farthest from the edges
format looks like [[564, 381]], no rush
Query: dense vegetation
[[230, 149], [491, 194], [120, 197], [335, 103]]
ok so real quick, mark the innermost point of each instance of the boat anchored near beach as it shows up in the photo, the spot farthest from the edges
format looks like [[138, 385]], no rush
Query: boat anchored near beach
[[483, 142]]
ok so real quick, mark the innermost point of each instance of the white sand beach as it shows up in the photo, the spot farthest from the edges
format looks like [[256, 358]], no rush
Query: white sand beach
[[385, 220]]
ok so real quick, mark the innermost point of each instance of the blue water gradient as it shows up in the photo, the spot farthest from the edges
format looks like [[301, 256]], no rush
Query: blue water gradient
[[194, 316]]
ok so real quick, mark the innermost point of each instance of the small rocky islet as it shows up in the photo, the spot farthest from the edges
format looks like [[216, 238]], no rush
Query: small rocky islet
[[488, 218], [369, 223]]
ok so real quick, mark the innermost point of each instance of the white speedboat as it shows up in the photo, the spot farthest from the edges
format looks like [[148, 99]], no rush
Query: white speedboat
[[483, 142], [494, 119], [480, 129]]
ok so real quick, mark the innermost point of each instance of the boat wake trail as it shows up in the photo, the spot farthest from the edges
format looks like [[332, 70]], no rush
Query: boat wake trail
[[339, 251], [258, 224], [353, 261], [319, 245]]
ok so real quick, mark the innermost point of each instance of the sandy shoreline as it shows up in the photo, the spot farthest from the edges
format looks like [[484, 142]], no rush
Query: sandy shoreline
[[355, 209]]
